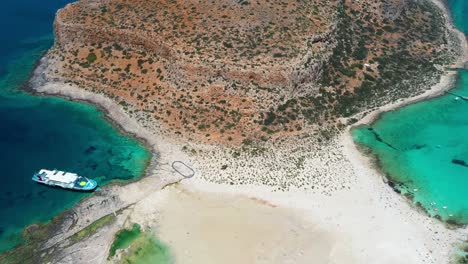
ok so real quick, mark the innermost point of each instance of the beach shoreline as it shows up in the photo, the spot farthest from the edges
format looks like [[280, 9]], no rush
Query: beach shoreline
[[445, 83], [111, 198], [357, 214]]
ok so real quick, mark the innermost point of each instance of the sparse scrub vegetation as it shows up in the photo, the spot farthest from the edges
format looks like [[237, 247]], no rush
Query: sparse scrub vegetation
[[219, 73]]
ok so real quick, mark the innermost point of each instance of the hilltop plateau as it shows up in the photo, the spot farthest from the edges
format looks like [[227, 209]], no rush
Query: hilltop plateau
[[240, 71], [256, 98]]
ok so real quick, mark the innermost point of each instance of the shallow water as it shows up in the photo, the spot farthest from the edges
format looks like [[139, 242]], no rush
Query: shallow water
[[423, 146], [146, 249], [124, 238], [459, 13], [427, 138], [38, 132], [142, 247]]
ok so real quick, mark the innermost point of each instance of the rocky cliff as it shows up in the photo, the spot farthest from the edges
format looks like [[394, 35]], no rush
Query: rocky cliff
[[234, 70]]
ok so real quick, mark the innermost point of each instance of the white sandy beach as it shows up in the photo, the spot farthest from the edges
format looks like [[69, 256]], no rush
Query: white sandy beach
[[368, 223], [299, 201], [349, 216]]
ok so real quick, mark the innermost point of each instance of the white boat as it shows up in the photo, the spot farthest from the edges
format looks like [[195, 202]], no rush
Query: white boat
[[67, 180]]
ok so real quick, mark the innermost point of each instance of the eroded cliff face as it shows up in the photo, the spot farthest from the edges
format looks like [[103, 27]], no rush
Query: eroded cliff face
[[227, 71]]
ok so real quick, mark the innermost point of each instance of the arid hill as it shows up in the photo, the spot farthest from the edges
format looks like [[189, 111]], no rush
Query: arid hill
[[235, 70]]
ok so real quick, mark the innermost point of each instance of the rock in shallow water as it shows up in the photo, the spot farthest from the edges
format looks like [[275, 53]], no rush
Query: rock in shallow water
[[460, 162]]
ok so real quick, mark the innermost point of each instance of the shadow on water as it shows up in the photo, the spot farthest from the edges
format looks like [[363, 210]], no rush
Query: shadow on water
[[64, 189], [379, 138], [460, 162]]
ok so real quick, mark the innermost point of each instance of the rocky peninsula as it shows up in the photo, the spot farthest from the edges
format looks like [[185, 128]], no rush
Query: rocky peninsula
[[258, 98]]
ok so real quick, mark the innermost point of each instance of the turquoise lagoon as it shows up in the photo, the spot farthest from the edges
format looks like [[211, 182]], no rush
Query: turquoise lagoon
[[424, 148], [459, 13], [425, 139], [419, 146], [44, 132]]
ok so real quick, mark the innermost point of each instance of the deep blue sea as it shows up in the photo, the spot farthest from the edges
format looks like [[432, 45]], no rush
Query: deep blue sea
[[423, 146], [39, 132]]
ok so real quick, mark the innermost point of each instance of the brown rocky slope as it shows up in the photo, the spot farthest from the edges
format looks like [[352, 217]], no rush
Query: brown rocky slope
[[232, 71]]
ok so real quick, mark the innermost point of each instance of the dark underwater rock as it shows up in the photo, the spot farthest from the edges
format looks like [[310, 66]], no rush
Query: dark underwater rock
[[460, 162], [378, 138], [419, 146], [90, 150]]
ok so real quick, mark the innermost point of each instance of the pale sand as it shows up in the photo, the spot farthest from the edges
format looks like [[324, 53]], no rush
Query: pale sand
[[369, 222], [201, 227], [298, 201]]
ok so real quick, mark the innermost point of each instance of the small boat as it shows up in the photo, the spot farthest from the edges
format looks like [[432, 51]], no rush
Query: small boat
[[66, 180]]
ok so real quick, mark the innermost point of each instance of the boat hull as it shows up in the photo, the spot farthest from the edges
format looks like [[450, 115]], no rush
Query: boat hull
[[90, 185]]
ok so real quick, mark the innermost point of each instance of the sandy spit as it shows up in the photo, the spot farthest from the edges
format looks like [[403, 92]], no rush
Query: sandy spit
[[334, 207]]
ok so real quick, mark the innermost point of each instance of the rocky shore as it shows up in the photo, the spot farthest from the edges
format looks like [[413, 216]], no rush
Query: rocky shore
[[446, 80], [323, 199]]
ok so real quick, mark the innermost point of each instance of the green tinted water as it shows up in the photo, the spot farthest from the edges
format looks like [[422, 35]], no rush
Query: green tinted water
[[124, 238], [459, 12], [143, 247], [430, 146], [44, 132], [148, 250]]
